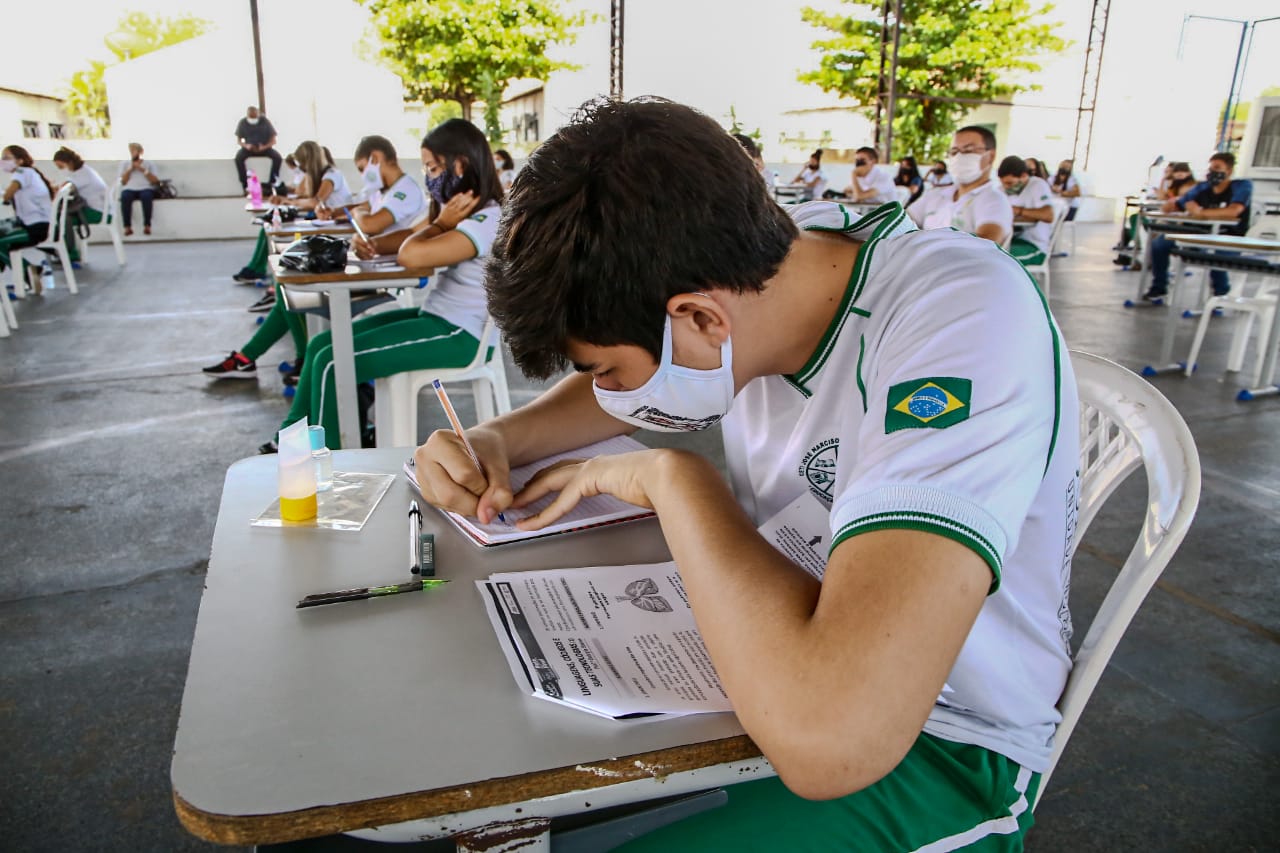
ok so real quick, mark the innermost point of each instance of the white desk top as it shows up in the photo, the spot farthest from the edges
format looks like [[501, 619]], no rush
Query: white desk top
[[1253, 245], [287, 710]]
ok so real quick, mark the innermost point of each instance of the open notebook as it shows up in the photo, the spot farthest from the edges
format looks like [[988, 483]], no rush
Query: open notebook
[[590, 512]]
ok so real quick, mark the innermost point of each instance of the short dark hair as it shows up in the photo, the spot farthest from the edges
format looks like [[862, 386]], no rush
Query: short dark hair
[[875, 155], [370, 144], [1012, 165], [1225, 157], [71, 158], [591, 248], [988, 138], [748, 144]]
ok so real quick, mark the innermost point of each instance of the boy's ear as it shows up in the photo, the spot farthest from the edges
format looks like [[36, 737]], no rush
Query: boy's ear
[[708, 315]]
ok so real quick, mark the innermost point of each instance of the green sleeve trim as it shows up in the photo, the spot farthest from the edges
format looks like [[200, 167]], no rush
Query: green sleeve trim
[[862, 388], [929, 523]]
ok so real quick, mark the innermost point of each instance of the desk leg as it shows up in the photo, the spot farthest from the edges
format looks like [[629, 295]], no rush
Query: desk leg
[[1166, 364], [344, 367], [1267, 376]]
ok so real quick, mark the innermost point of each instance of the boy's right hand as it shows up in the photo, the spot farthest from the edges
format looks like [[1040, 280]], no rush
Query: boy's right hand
[[448, 478]]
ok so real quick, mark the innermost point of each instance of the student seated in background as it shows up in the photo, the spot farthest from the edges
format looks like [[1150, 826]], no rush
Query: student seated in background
[[1032, 199], [465, 197], [1176, 181], [138, 180], [91, 189], [906, 697], [395, 204], [812, 178], [1066, 187], [909, 176], [1216, 197], [976, 203], [31, 194], [867, 183], [506, 169], [321, 185], [1036, 169], [753, 151], [938, 177]]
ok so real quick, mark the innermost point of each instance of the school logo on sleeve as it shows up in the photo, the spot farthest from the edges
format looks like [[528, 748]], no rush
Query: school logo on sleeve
[[399, 195], [936, 402], [480, 217]]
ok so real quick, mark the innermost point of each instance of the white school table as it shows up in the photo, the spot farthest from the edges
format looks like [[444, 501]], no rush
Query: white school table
[[338, 287], [303, 723], [1192, 224], [1252, 246]]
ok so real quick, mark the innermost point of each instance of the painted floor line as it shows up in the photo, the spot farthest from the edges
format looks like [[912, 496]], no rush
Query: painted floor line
[[125, 372], [120, 429]]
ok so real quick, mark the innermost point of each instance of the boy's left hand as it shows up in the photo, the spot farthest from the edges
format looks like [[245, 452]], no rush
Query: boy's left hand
[[622, 475]]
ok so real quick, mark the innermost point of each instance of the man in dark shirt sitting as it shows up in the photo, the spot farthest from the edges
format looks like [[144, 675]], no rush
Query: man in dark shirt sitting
[[1216, 197], [257, 138]]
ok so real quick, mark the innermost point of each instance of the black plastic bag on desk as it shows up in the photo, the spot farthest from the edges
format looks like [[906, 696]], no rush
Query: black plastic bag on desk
[[316, 253]]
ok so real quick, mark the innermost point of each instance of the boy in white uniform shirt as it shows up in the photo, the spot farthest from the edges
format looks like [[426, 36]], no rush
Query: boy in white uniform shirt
[[1032, 199], [906, 698], [867, 183], [975, 204]]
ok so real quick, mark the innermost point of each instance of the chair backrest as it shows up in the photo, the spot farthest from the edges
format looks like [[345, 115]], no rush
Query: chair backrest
[[110, 215], [61, 199], [1265, 228], [1125, 423], [1060, 209]]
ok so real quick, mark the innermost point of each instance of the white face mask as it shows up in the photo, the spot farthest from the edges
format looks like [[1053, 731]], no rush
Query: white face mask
[[253, 120], [966, 168], [9, 165], [676, 398], [372, 177]]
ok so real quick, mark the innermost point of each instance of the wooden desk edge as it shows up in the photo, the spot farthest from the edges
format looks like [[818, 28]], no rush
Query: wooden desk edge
[[329, 820]]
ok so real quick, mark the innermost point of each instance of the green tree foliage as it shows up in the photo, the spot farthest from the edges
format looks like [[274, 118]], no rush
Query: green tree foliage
[[136, 34], [948, 49], [470, 50]]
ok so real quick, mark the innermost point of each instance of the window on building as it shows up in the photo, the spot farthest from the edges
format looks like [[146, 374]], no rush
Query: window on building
[[31, 129], [56, 131]]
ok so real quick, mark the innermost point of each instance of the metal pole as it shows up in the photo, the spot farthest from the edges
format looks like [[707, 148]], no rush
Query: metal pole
[[884, 38], [617, 17], [257, 55], [893, 82], [1223, 135]]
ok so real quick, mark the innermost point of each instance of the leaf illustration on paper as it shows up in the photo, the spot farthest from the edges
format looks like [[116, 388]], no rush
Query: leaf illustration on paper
[[644, 594]]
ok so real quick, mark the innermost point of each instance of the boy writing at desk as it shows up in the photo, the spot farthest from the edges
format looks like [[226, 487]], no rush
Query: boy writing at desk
[[907, 698]]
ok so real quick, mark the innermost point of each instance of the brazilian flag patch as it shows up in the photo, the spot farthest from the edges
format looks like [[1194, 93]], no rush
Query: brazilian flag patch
[[399, 195], [935, 402]]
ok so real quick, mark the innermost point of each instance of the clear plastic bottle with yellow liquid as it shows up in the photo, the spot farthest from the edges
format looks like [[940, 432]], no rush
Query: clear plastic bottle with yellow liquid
[[296, 474]]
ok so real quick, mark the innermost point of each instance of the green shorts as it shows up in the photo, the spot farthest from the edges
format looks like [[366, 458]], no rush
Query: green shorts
[[1026, 253], [942, 796]]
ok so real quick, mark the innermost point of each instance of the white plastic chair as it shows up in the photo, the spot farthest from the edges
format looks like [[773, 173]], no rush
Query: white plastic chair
[[7, 319], [1261, 304], [1125, 423], [396, 396], [111, 218], [36, 256], [1040, 271]]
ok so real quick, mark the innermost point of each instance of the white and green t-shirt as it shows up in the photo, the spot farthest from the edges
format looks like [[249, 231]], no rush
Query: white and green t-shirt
[[1034, 195], [983, 205], [31, 203], [341, 193], [90, 186], [457, 294], [404, 199], [940, 399]]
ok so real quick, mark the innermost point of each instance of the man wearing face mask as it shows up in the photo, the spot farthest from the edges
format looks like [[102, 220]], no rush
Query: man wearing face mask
[[1031, 199], [867, 183], [975, 204], [1216, 197], [861, 367], [257, 138]]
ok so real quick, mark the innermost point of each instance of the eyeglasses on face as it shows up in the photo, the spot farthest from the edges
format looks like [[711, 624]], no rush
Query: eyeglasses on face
[[968, 149], [861, 162]]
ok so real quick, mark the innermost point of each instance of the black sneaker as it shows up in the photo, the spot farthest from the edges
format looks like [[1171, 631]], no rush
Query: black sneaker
[[268, 447], [291, 377], [234, 366], [1155, 293], [246, 276], [265, 304]]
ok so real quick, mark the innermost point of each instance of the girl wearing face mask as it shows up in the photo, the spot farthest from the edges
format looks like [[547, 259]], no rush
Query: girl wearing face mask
[[909, 176], [506, 169], [31, 195], [938, 176], [462, 181], [812, 178], [91, 189]]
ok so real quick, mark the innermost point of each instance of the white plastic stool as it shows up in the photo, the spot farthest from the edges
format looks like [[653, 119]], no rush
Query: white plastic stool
[[1262, 304], [396, 396]]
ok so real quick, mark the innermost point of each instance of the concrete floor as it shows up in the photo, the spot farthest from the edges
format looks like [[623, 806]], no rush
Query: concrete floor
[[112, 453]]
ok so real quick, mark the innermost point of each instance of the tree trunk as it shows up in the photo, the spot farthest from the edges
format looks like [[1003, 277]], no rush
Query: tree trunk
[[465, 103]]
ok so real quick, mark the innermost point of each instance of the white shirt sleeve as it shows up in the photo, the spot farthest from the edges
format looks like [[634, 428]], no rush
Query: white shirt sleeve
[[481, 228], [882, 183], [992, 207], [405, 201]]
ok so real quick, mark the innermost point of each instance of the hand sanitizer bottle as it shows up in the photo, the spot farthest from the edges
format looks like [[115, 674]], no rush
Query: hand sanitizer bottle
[[255, 189]]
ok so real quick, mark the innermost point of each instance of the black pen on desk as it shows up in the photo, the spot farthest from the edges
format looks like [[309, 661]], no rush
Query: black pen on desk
[[364, 592], [415, 530]]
